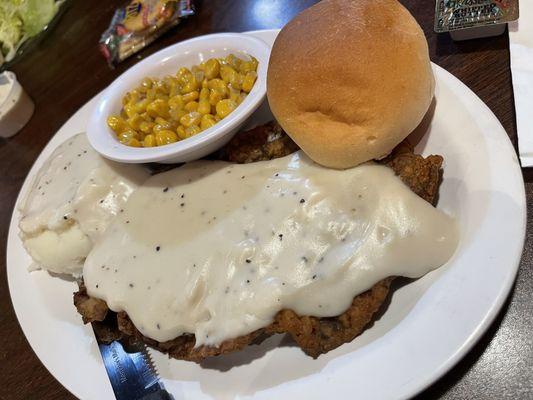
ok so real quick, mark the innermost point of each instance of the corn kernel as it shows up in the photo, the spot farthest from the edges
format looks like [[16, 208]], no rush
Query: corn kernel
[[234, 94], [249, 81], [130, 110], [158, 108], [182, 72], [149, 141], [204, 107], [192, 130], [141, 105], [254, 62], [181, 132], [227, 73], [176, 102], [246, 66], [190, 97], [214, 97], [191, 106], [233, 61], [163, 122], [176, 113], [147, 83], [225, 107], [135, 121], [146, 117], [165, 137], [242, 96], [217, 84], [127, 135], [212, 68], [192, 118], [117, 124], [146, 127], [133, 143], [207, 121], [204, 94], [159, 128]]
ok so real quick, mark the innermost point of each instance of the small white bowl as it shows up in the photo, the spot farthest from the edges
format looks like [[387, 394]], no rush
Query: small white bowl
[[167, 62]]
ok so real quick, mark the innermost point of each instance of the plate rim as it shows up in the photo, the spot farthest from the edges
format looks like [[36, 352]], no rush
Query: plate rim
[[413, 387]]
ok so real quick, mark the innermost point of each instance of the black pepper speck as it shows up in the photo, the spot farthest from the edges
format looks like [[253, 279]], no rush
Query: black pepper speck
[[165, 190], [131, 285], [302, 201], [158, 248], [248, 260]]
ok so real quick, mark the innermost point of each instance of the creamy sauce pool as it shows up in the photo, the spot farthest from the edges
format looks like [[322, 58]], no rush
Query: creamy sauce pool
[[217, 249]]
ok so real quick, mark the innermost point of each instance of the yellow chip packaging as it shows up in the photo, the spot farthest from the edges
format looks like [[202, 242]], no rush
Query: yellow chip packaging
[[138, 23]]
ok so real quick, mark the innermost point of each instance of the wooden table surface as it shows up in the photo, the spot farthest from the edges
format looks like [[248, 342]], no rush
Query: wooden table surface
[[66, 70]]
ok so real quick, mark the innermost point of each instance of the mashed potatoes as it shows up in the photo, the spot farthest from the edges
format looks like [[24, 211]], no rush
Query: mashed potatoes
[[71, 202]]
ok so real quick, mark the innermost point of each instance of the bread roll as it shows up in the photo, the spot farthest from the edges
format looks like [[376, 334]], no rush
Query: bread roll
[[349, 79]]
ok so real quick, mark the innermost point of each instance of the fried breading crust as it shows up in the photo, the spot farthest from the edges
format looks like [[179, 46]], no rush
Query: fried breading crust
[[314, 335]]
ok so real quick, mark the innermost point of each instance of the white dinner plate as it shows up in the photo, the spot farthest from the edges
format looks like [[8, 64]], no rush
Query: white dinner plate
[[429, 325]]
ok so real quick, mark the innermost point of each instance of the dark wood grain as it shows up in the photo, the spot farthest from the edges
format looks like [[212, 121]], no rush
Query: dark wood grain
[[66, 70]]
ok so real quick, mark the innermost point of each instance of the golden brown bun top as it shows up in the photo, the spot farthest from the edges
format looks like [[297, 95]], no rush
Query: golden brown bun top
[[349, 79]]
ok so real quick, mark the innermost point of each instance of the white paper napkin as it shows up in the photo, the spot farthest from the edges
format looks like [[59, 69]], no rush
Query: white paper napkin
[[521, 48]]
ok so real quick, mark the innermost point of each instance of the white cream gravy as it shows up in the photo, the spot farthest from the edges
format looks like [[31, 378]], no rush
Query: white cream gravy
[[217, 249]]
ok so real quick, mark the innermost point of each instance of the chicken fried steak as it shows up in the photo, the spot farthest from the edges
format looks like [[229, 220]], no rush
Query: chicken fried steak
[[313, 335]]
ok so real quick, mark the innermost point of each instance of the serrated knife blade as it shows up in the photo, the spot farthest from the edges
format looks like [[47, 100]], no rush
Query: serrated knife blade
[[132, 373]]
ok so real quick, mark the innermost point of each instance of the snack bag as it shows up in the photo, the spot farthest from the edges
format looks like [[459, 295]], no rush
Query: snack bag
[[138, 24]]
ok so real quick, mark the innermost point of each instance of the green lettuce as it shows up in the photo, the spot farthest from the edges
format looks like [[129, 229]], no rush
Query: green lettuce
[[21, 20]]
